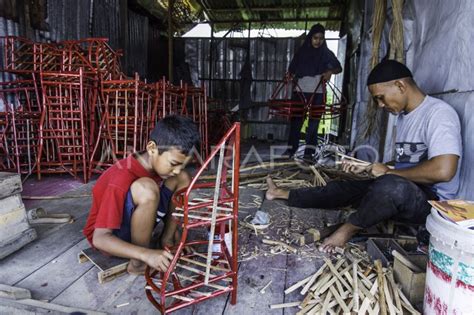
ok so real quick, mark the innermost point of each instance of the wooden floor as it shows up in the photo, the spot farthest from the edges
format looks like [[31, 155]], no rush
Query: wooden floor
[[49, 267]]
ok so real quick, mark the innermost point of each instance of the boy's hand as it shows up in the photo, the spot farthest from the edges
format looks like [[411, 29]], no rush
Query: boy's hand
[[158, 259]]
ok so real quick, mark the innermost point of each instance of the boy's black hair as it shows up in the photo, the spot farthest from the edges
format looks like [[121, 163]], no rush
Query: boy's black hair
[[175, 131]]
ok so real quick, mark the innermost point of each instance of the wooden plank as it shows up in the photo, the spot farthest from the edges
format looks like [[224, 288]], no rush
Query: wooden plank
[[394, 288], [339, 300], [391, 308], [10, 203], [57, 275], [35, 306], [13, 222], [15, 293], [18, 266], [336, 273], [380, 281], [101, 261], [10, 184], [355, 292], [298, 285], [254, 274], [285, 305], [298, 268], [16, 242], [279, 243], [92, 293]]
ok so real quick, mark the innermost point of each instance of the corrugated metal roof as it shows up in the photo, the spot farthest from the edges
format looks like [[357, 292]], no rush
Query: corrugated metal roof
[[288, 14], [227, 14]]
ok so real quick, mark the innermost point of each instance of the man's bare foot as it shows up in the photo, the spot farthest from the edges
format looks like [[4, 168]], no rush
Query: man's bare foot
[[274, 192], [136, 267], [339, 238]]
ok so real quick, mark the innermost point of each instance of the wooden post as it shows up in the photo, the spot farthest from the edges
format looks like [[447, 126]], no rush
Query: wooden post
[[170, 40]]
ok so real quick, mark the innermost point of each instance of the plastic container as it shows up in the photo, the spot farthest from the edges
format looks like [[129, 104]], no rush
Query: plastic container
[[449, 285], [216, 247]]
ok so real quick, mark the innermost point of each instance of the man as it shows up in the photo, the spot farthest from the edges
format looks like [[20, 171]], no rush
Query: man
[[428, 156]]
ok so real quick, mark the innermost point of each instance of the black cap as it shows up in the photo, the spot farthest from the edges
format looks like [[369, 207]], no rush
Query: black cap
[[388, 70]]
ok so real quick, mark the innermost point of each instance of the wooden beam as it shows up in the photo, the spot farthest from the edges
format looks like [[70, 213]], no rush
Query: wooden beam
[[313, 19], [272, 8]]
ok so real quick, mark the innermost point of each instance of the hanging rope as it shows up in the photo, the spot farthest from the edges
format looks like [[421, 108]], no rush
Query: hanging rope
[[396, 32], [378, 22]]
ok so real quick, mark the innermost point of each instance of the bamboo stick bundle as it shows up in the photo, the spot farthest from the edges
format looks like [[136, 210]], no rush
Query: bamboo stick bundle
[[341, 287]]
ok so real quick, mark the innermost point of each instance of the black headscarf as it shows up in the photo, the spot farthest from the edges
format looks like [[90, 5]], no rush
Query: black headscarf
[[310, 61]]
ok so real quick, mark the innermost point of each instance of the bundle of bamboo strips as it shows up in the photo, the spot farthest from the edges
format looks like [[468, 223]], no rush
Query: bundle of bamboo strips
[[346, 286]]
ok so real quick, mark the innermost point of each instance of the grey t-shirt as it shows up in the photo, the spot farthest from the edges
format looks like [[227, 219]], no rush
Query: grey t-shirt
[[431, 129]]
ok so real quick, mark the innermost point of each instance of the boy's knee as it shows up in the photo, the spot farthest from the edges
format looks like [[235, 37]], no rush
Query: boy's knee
[[145, 190], [183, 179]]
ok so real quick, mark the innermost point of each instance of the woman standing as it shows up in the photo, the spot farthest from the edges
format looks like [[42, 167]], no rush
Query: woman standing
[[312, 63]]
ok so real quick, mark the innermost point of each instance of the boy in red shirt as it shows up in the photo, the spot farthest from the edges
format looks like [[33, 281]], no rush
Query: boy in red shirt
[[135, 193]]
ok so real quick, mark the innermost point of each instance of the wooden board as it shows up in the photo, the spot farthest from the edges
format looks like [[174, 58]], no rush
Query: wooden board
[[297, 267], [256, 273], [109, 267], [14, 293], [92, 293], [16, 242], [30, 306], [57, 275], [13, 219], [10, 184], [35, 255]]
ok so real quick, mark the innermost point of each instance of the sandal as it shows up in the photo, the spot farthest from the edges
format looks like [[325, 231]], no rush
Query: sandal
[[40, 216]]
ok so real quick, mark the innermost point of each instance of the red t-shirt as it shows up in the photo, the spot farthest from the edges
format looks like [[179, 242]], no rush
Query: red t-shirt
[[109, 193]]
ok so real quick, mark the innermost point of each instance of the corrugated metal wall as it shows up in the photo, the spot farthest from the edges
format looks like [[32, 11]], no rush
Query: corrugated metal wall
[[68, 19], [269, 61], [76, 19], [137, 43], [106, 21]]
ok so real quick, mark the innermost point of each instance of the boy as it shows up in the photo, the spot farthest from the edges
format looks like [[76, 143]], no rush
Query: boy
[[135, 193]]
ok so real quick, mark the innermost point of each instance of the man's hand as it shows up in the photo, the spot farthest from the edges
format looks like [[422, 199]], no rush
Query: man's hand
[[158, 259], [354, 167], [379, 169]]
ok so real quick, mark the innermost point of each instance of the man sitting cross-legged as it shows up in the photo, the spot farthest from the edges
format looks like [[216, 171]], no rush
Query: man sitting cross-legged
[[428, 153]]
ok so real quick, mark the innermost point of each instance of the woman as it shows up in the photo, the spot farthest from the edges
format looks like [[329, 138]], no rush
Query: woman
[[311, 63]]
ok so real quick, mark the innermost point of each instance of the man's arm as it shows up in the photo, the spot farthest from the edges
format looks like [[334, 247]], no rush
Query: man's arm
[[441, 168], [106, 241]]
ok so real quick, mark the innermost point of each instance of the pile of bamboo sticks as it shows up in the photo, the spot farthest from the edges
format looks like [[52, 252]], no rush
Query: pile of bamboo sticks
[[349, 286]]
